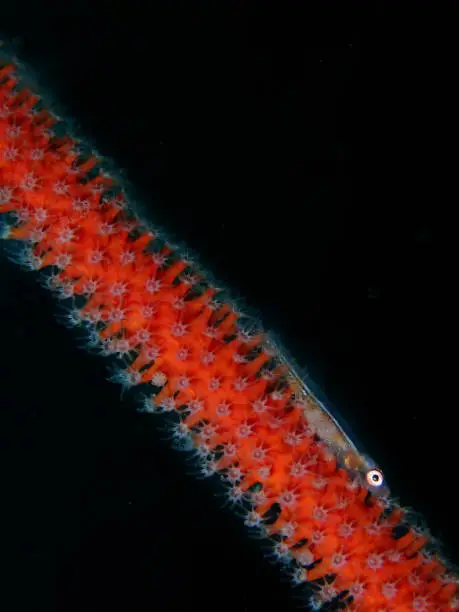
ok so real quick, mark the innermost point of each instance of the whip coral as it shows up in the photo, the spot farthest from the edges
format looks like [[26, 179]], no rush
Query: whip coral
[[238, 404]]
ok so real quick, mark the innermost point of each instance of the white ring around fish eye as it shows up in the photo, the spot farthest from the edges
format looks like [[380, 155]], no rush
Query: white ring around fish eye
[[374, 478]]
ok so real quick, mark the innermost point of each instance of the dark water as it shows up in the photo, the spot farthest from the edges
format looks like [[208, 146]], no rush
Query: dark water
[[305, 171]]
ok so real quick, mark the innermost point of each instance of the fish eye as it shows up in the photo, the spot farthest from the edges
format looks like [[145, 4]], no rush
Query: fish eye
[[374, 478]]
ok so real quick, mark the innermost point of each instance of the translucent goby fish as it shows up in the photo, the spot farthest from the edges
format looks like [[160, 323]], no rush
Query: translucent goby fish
[[333, 430]]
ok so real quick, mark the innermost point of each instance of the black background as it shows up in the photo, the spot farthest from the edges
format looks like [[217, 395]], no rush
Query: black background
[[305, 156]]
